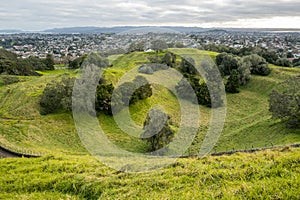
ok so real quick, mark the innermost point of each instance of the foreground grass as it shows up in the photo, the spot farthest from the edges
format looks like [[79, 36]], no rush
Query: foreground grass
[[263, 175]]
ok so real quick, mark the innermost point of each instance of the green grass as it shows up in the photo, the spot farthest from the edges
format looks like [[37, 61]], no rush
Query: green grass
[[263, 175], [248, 123], [66, 171]]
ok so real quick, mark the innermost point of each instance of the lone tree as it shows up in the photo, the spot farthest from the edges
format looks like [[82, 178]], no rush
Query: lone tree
[[285, 102], [158, 45], [49, 62], [233, 82], [157, 130], [57, 96]]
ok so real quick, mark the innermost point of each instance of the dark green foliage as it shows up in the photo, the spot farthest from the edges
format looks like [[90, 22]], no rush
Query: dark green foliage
[[227, 63], [103, 98], [187, 67], [49, 62], [192, 85], [131, 92], [57, 96], [75, 64], [233, 82], [268, 55], [185, 90], [7, 80], [284, 62], [126, 94], [157, 130], [285, 102], [244, 71], [152, 67], [144, 91], [159, 45], [204, 91], [259, 66], [37, 63], [95, 59], [136, 46], [12, 65], [296, 62], [169, 59], [203, 95]]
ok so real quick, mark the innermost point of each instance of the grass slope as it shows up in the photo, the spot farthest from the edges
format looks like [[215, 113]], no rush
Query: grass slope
[[263, 175], [248, 123]]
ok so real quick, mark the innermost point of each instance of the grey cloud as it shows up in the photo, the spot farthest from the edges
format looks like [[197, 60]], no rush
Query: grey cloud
[[34, 14]]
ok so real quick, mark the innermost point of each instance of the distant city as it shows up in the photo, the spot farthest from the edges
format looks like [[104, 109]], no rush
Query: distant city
[[70, 43]]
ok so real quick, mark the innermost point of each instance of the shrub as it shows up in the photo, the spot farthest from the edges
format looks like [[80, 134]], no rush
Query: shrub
[[157, 130], [103, 98], [258, 65], [57, 96], [285, 102], [233, 82]]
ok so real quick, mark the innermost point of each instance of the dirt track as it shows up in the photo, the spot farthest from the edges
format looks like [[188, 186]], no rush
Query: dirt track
[[5, 153]]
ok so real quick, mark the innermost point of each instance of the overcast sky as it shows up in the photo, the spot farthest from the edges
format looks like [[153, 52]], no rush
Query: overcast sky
[[40, 15]]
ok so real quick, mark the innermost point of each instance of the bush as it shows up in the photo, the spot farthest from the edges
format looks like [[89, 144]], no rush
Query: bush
[[131, 92], [285, 102], [187, 67], [227, 63], [7, 80], [152, 67], [258, 65], [169, 59], [284, 62], [103, 98], [233, 82], [157, 130], [244, 71], [57, 96]]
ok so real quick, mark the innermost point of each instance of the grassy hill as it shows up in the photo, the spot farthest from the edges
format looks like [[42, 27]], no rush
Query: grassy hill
[[263, 175], [248, 123], [66, 171]]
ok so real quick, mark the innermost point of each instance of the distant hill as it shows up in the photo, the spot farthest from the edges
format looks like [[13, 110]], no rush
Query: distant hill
[[126, 29], [10, 31]]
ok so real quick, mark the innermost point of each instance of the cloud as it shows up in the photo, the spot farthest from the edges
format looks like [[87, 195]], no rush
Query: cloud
[[37, 15]]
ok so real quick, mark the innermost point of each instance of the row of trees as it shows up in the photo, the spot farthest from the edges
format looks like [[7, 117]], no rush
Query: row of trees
[[238, 70], [156, 45], [270, 56], [10, 64]]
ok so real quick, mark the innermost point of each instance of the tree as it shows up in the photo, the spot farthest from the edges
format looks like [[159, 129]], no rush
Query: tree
[[284, 102], [226, 63], [103, 98], [76, 63], [136, 46], [168, 59], [57, 95], [157, 130], [258, 65], [49, 62], [244, 71], [284, 62], [233, 82], [187, 66], [159, 45], [131, 92]]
